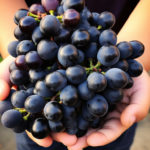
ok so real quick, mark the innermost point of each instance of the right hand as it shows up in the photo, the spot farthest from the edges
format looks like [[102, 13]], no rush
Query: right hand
[[5, 86]]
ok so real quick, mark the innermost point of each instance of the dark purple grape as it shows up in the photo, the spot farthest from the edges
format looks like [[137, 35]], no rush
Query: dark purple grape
[[20, 62], [71, 18], [21, 35], [18, 77], [76, 74], [135, 68], [13, 66], [24, 47], [11, 118], [98, 106], [108, 55], [56, 126], [55, 81], [53, 111], [50, 4], [36, 9], [96, 82], [121, 64], [33, 60], [42, 90], [47, 50], [27, 24], [84, 92], [74, 4], [34, 104], [116, 78], [125, 49], [108, 37], [20, 14], [94, 34], [80, 38], [69, 95], [68, 55], [50, 25], [12, 48], [40, 128]]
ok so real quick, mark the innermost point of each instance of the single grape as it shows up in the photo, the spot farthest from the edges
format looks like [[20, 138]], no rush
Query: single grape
[[42, 90], [50, 25], [74, 4], [130, 82], [71, 18], [98, 106], [81, 57], [135, 68], [20, 14], [108, 37], [94, 34], [96, 82], [40, 128], [11, 118], [27, 24], [47, 50], [80, 38], [121, 64], [55, 81], [18, 98], [116, 78], [69, 95], [113, 96], [84, 92], [68, 55], [56, 126], [12, 48], [53, 111], [20, 62], [82, 123], [138, 49], [76, 74], [108, 55], [37, 9], [125, 49], [25, 46], [18, 77], [34, 104], [37, 35], [13, 66], [50, 4], [19, 35], [33, 60]]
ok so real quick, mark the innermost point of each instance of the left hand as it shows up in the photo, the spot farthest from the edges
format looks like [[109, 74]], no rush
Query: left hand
[[133, 108]]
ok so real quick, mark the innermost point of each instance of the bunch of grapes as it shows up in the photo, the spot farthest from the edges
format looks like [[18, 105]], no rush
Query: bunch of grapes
[[69, 70]]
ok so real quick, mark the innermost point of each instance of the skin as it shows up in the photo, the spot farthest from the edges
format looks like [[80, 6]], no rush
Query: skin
[[136, 102]]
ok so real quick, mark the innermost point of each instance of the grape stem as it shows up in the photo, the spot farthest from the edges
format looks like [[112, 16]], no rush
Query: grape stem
[[51, 12], [99, 27], [27, 116], [93, 68], [21, 110], [32, 15]]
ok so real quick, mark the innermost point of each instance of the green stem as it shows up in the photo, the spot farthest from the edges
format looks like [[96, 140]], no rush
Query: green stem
[[99, 27], [60, 18], [32, 15], [37, 19], [51, 12], [21, 110], [26, 117]]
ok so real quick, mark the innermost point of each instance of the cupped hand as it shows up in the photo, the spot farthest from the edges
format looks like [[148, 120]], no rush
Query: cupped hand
[[133, 108], [5, 86]]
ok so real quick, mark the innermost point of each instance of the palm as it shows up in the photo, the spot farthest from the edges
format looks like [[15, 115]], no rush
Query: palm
[[132, 108]]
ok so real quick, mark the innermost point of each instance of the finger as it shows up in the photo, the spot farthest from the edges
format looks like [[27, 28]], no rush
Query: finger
[[4, 89], [64, 138], [46, 142], [110, 132], [140, 102], [80, 144], [4, 68]]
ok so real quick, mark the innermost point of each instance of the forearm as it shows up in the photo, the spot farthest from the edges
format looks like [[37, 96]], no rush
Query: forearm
[[137, 28], [7, 25]]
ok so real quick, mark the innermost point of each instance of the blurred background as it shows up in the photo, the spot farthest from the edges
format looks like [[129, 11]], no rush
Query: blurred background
[[141, 141]]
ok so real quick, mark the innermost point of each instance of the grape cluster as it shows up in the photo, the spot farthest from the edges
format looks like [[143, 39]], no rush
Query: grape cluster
[[69, 70]]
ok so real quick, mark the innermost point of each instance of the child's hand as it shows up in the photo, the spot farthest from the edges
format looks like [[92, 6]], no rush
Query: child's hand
[[5, 86], [133, 108]]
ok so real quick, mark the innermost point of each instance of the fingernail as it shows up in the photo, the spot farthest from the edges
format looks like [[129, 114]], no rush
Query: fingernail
[[132, 120]]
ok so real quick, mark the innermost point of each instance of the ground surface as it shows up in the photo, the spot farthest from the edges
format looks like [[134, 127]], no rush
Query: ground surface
[[141, 142]]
